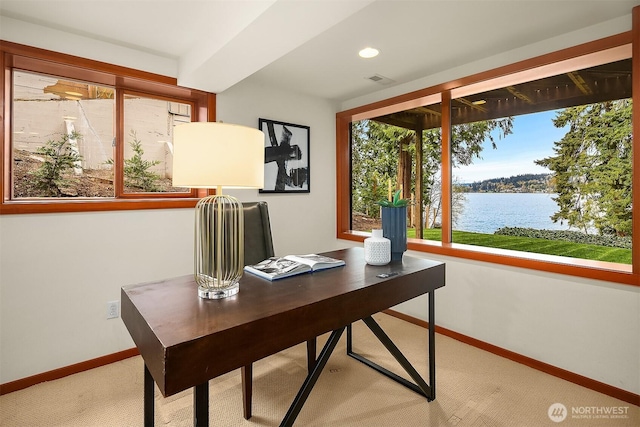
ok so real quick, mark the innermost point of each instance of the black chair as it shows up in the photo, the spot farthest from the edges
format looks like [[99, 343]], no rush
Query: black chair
[[258, 243], [258, 246]]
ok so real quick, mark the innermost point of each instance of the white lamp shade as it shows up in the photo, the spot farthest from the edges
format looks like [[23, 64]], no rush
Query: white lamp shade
[[211, 154]]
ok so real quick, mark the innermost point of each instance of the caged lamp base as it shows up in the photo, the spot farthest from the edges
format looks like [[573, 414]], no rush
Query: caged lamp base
[[219, 246]]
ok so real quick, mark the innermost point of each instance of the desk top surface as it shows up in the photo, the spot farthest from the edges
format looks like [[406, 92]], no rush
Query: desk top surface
[[168, 321]]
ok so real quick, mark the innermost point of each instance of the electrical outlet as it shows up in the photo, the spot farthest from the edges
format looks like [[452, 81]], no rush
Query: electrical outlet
[[113, 309]]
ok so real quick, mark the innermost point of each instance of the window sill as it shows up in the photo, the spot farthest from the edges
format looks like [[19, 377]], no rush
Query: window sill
[[598, 270], [88, 205]]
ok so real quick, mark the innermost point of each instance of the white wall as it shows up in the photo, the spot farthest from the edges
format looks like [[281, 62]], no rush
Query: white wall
[[300, 222], [29, 34], [58, 271]]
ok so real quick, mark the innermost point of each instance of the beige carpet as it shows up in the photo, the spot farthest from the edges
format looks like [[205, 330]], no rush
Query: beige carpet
[[474, 388]]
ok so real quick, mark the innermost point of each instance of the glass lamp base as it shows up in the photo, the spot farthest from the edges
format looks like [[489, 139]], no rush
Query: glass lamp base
[[217, 293]]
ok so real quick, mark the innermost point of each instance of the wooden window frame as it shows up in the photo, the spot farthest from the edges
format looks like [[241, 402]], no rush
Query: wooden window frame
[[124, 80], [552, 62]]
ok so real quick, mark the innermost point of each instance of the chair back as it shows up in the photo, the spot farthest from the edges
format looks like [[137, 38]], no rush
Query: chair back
[[258, 243]]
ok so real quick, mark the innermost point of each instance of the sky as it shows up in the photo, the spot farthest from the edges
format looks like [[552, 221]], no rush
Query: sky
[[532, 139]]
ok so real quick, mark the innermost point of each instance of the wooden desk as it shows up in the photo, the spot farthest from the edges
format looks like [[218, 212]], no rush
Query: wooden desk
[[185, 341]]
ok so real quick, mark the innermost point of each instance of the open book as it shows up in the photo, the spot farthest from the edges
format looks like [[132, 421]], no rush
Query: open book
[[277, 268]]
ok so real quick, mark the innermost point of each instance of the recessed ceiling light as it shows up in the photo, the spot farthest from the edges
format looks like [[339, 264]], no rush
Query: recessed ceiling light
[[479, 102], [368, 52]]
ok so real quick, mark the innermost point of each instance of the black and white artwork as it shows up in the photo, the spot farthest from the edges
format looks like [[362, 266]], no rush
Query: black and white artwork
[[286, 157]]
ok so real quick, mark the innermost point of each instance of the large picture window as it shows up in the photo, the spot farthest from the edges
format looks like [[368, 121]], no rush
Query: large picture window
[[82, 135], [555, 176], [529, 165]]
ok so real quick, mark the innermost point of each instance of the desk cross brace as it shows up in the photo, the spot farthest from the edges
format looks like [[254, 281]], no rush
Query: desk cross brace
[[420, 387]]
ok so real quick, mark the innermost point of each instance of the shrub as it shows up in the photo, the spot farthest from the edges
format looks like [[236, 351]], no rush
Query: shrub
[[568, 236], [59, 159], [136, 169]]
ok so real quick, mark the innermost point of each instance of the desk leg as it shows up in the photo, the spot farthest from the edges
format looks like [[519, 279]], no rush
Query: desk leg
[[311, 379], [201, 405], [432, 344], [247, 389], [311, 354], [148, 398]]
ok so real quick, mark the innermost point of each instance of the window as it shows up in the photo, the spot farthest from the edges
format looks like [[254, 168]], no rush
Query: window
[[528, 165], [84, 135], [554, 172]]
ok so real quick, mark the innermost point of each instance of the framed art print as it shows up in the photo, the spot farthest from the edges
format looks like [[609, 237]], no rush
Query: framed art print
[[286, 157]]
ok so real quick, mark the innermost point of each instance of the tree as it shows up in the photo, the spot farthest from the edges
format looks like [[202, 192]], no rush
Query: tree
[[374, 163], [136, 169], [592, 167], [433, 207], [59, 158]]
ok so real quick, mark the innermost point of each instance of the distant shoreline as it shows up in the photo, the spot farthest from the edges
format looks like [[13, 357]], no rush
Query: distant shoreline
[[525, 183], [510, 192]]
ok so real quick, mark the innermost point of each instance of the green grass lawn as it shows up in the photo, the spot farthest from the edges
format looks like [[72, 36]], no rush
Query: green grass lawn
[[527, 244]]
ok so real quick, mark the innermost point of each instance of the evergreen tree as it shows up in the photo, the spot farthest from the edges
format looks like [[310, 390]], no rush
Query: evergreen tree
[[136, 169], [592, 167], [54, 173]]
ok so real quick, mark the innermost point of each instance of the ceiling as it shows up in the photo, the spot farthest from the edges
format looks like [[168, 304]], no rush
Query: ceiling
[[311, 46]]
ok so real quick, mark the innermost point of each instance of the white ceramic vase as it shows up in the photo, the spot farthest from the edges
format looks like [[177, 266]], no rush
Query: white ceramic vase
[[377, 249]]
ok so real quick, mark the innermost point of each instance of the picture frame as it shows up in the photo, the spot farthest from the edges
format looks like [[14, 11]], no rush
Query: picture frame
[[287, 157]]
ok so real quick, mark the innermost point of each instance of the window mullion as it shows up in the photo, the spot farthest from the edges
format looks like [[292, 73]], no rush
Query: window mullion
[[446, 184], [635, 90], [5, 157], [417, 219], [118, 173]]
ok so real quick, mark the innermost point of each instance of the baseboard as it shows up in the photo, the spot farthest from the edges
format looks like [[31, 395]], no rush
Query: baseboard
[[583, 381], [67, 370]]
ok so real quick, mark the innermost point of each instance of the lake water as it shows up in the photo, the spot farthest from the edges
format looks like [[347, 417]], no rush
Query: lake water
[[486, 212]]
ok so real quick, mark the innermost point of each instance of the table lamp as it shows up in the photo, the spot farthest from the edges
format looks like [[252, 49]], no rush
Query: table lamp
[[217, 155]]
